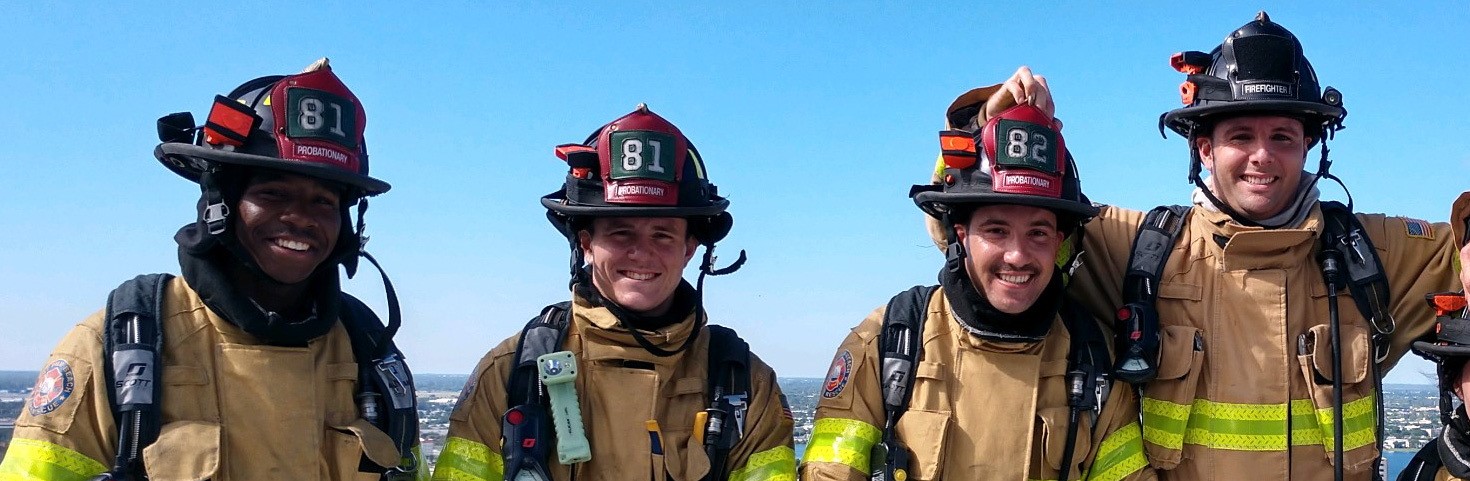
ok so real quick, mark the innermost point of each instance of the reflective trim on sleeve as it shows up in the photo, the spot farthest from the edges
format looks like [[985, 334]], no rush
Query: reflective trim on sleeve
[[1255, 427], [843, 441], [465, 460], [34, 460], [1119, 455], [775, 464], [422, 474]]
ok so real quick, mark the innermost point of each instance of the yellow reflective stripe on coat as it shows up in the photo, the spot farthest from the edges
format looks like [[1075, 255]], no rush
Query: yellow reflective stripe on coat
[[1119, 455], [34, 460], [1255, 427], [844, 441], [422, 474], [775, 464], [465, 460]]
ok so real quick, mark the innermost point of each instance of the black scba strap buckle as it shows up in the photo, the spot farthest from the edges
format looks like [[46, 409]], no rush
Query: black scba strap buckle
[[393, 374], [891, 460]]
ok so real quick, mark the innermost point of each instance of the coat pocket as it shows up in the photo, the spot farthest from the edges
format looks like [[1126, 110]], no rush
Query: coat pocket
[[1169, 399], [924, 432], [1056, 424], [184, 451], [346, 446], [1312, 420]]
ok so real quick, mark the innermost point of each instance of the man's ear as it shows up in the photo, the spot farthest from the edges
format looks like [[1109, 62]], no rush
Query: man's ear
[[691, 244], [584, 241], [1202, 145]]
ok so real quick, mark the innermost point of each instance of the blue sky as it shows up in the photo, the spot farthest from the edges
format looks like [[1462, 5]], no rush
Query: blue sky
[[813, 117]]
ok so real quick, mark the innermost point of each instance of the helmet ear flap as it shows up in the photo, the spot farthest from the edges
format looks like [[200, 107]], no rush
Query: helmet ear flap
[[711, 229]]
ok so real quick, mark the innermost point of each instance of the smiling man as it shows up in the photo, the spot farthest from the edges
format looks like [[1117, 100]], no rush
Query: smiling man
[[656, 393], [1251, 365], [253, 364], [994, 373]]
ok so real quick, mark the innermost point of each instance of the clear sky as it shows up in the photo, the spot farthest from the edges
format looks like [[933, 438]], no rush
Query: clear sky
[[814, 118]]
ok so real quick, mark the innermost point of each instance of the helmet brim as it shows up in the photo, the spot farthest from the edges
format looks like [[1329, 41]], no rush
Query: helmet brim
[[1441, 350], [929, 201], [1176, 118], [368, 185], [559, 212], [557, 202]]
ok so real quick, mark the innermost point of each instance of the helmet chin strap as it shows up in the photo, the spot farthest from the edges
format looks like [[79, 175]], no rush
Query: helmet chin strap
[[954, 252]]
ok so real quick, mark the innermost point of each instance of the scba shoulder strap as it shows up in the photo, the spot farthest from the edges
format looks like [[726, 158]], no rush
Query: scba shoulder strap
[[900, 345], [527, 426], [132, 337], [1138, 320]]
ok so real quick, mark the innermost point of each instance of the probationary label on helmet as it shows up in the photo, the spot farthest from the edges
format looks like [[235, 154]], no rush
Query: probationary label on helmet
[[314, 114], [837, 374], [53, 387], [1418, 228]]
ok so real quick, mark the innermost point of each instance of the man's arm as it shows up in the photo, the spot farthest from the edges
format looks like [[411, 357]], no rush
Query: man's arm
[[849, 418], [1118, 442], [1418, 259], [472, 445], [66, 431], [765, 452]]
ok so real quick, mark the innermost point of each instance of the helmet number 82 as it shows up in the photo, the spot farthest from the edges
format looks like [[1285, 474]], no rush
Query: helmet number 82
[[1020, 144], [633, 155], [311, 115]]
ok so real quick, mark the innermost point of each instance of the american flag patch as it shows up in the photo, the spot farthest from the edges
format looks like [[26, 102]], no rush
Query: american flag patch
[[785, 407], [1419, 228]]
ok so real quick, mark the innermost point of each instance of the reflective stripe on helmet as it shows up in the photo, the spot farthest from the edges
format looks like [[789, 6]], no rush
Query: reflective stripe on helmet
[[843, 441], [1254, 427], [465, 460], [1119, 455], [775, 464], [35, 460]]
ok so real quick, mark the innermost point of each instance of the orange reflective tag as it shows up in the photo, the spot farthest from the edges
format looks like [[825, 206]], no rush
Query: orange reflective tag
[[229, 122], [1177, 61], [1446, 303]]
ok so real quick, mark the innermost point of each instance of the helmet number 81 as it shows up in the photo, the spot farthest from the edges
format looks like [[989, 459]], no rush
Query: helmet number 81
[[1020, 144], [311, 115], [633, 155]]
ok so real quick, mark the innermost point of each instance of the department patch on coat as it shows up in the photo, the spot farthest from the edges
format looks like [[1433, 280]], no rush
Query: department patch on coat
[[53, 386], [467, 391], [837, 375], [1418, 228]]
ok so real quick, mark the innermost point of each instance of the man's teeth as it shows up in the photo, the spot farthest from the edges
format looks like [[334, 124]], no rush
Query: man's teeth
[[1259, 180], [1016, 278], [293, 245], [641, 276]]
